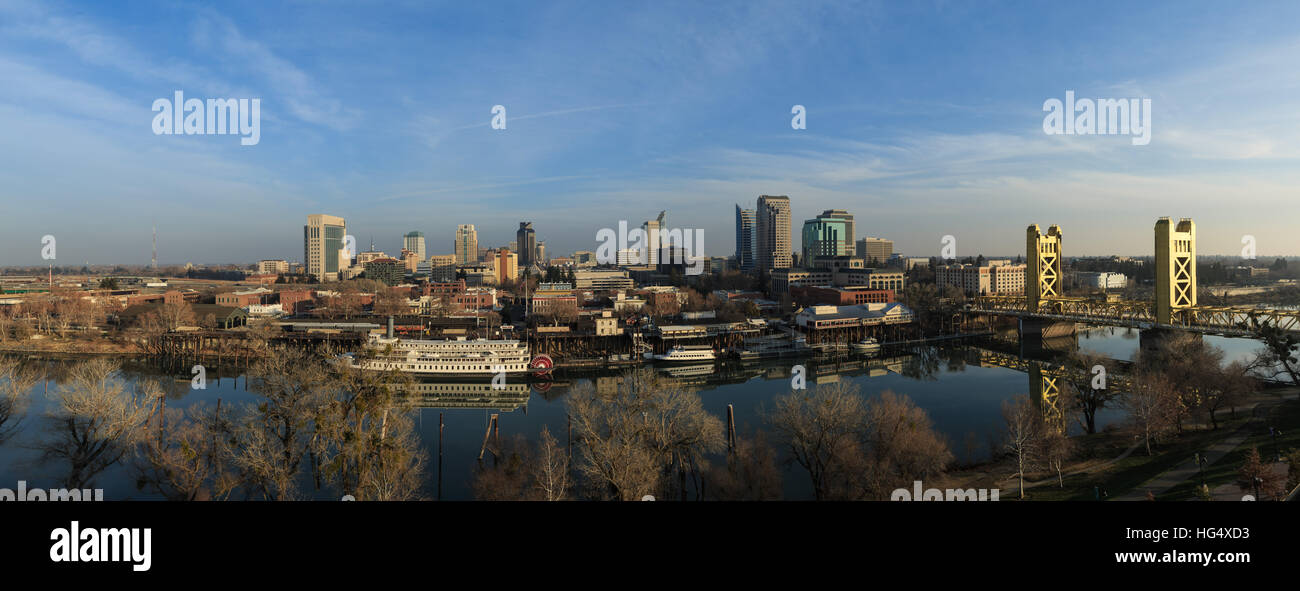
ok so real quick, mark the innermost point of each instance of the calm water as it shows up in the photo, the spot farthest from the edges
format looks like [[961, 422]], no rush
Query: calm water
[[962, 398]]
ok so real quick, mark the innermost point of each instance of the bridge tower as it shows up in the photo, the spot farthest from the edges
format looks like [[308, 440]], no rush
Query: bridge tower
[[1043, 257], [1175, 267], [1045, 392]]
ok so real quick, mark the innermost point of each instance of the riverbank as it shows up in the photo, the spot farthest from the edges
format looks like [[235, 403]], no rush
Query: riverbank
[[1113, 465]]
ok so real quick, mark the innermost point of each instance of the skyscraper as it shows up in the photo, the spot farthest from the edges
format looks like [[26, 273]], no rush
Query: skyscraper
[[414, 242], [745, 239], [652, 235], [526, 243], [322, 245], [772, 232], [466, 244], [829, 234]]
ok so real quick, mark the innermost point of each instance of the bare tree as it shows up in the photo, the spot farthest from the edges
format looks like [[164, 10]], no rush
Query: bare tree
[[184, 455], [1152, 405], [1057, 449], [902, 444], [275, 436], [750, 474], [551, 469], [175, 315], [1087, 399], [822, 430], [636, 437], [16, 383], [96, 420], [1024, 433]]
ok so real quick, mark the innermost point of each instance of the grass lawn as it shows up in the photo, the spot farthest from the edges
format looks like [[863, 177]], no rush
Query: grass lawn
[[1130, 472], [1285, 417]]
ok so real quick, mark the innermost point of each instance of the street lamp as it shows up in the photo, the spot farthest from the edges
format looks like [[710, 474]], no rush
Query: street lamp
[[1200, 464], [1257, 481], [1277, 457]]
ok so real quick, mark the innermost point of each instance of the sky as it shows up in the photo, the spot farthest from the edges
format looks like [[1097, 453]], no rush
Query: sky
[[923, 119]]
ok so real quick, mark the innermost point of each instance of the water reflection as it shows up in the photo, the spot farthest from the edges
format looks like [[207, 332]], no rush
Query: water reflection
[[961, 386]]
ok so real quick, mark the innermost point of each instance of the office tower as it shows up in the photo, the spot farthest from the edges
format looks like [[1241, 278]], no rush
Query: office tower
[[772, 232], [323, 238], [828, 235], [442, 268], [466, 244], [652, 230], [539, 258], [875, 249], [744, 239], [414, 242], [506, 265], [526, 243]]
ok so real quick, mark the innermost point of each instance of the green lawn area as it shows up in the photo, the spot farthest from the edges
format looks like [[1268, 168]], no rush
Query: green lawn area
[[1129, 473], [1285, 417]]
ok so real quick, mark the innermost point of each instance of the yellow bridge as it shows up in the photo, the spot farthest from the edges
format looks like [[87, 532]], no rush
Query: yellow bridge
[[1174, 306]]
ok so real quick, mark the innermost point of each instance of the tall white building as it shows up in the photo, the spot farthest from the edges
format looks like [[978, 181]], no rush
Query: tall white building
[[323, 246]]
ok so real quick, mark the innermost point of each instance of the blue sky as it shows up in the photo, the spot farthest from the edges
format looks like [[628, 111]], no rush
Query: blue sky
[[924, 119]]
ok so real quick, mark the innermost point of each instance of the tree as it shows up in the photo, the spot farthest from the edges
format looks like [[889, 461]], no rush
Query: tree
[[108, 283], [550, 471], [1152, 406], [822, 431], [902, 444], [273, 437], [750, 474], [636, 437], [1024, 434], [1088, 399], [1057, 449], [853, 449], [96, 420], [175, 315], [16, 382], [183, 456], [1258, 477], [1279, 356]]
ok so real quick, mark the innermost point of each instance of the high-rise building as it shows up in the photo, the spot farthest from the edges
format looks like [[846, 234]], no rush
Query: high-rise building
[[540, 257], [323, 242], [772, 232], [442, 267], [829, 234], [744, 239], [506, 265], [414, 242], [875, 249], [466, 244], [525, 243], [652, 235]]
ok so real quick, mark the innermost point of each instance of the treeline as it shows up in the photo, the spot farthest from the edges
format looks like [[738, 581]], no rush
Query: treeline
[[315, 429]]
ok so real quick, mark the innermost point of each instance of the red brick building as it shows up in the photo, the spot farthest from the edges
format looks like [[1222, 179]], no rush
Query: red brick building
[[839, 296]]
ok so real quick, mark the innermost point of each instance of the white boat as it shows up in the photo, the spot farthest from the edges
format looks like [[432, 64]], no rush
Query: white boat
[[867, 345], [682, 353], [454, 357]]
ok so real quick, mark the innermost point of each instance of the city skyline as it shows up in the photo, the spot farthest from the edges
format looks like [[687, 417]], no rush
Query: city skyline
[[916, 142]]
